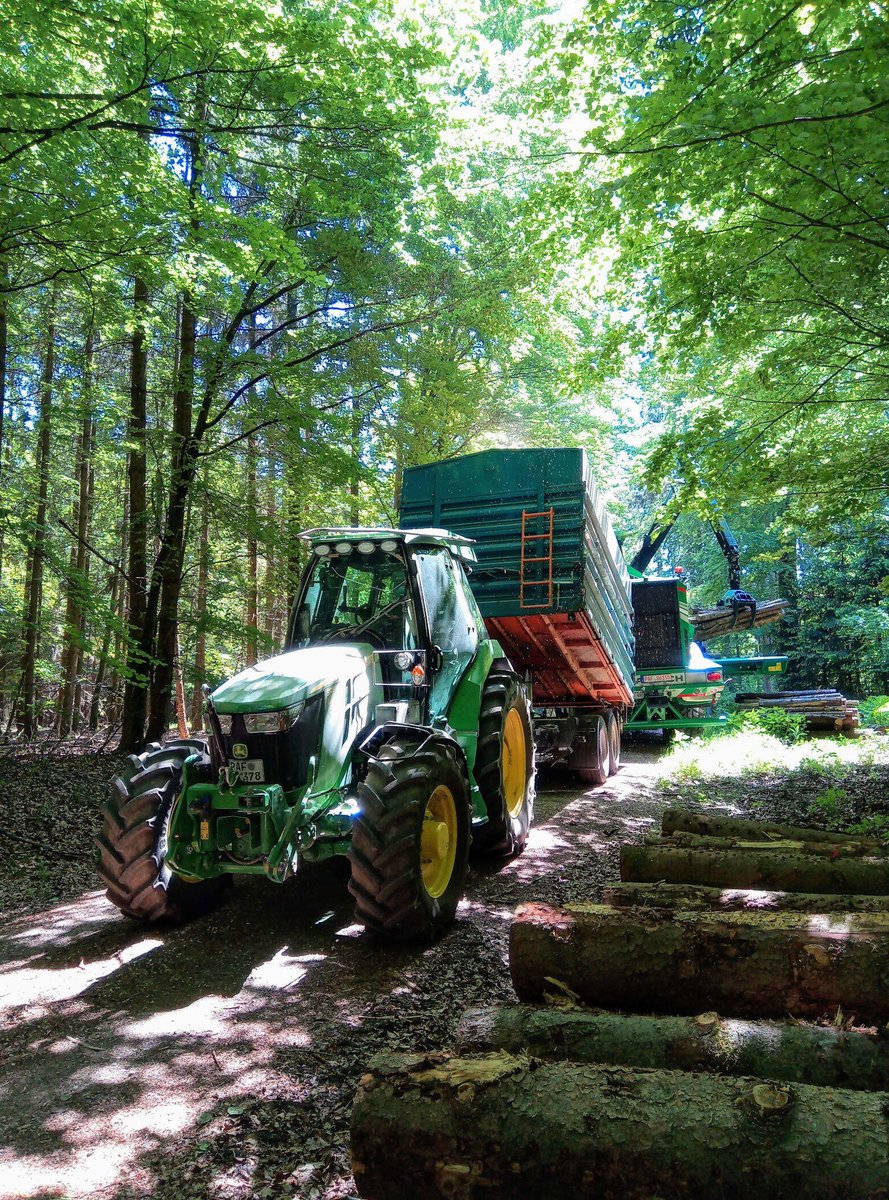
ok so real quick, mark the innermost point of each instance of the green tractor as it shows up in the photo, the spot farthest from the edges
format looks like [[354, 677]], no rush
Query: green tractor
[[392, 730]]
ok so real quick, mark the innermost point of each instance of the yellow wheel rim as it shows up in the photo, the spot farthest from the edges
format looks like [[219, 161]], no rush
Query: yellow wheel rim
[[513, 762], [438, 849]]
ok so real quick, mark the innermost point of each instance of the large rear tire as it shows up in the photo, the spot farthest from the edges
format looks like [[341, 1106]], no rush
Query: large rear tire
[[133, 842], [591, 755], [410, 844], [504, 766]]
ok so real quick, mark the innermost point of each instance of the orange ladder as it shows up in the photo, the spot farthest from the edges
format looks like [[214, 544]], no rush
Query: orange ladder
[[546, 581]]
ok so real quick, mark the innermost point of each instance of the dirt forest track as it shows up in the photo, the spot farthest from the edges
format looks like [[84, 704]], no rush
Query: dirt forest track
[[220, 1059]]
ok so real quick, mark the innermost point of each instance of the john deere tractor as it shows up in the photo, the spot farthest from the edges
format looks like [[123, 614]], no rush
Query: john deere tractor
[[391, 730]]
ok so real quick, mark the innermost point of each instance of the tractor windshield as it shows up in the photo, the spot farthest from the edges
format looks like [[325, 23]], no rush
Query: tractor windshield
[[358, 597]]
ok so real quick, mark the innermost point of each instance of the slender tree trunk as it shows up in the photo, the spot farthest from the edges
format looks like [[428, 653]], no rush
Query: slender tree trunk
[[355, 480], [166, 584], [270, 622], [26, 703], [135, 696], [102, 664], [4, 335], [252, 553], [200, 641], [78, 564], [167, 581]]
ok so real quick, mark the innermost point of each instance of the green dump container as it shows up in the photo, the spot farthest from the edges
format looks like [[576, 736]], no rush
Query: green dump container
[[545, 549]]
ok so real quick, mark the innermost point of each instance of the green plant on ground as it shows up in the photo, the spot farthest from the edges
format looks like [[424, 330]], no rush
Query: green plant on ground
[[875, 826], [868, 713], [831, 804], [787, 727]]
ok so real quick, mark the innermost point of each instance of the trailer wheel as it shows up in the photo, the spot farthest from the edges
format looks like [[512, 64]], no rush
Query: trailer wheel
[[410, 843], [504, 766], [612, 720], [133, 842], [591, 755]]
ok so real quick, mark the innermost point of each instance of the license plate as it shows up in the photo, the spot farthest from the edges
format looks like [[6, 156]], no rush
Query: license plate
[[673, 677], [248, 770]]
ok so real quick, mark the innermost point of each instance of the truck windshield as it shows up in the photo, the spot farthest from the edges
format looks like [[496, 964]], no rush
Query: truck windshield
[[358, 597]]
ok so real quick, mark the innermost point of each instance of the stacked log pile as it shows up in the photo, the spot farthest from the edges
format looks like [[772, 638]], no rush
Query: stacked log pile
[[823, 708], [712, 622], [688, 1079]]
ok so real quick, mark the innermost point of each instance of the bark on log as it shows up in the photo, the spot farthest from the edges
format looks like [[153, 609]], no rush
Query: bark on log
[[816, 1054], [472, 1129], [847, 849], [737, 963], [680, 820], [766, 868], [690, 898]]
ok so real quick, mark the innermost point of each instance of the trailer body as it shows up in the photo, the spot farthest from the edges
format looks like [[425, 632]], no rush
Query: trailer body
[[550, 581]]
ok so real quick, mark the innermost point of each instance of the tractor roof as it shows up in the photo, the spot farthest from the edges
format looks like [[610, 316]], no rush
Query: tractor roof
[[455, 542]]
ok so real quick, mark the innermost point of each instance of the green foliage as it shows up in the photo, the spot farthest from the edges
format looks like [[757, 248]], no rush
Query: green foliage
[[735, 162], [786, 727], [868, 711]]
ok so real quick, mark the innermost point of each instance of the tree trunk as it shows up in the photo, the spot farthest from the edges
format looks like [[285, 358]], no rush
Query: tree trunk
[[815, 1054], [270, 620], [166, 585], [739, 963], [200, 639], [79, 562], [252, 554], [690, 898], [135, 695], [438, 1126], [4, 340], [34, 590], [102, 664], [680, 820], [847, 849], [766, 868]]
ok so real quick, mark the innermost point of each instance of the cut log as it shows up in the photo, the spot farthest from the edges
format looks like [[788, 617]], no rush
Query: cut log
[[690, 898], [846, 849], [711, 622], [680, 820], [472, 1129], [765, 868], [815, 1054], [740, 964]]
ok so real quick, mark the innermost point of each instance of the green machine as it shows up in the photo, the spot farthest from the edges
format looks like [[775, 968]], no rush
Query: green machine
[[391, 730], [676, 685]]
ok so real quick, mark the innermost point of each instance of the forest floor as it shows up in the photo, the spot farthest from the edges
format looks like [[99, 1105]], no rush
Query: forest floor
[[219, 1059]]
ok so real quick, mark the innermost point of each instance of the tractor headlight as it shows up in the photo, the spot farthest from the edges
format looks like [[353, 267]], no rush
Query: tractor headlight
[[404, 660], [272, 722]]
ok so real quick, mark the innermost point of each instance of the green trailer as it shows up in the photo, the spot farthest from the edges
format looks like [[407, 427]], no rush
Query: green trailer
[[551, 584]]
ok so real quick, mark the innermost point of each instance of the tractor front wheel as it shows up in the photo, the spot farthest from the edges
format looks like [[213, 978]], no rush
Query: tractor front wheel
[[133, 841], [504, 765], [410, 844]]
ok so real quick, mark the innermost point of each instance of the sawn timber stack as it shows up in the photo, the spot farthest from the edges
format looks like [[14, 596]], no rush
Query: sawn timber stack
[[822, 708]]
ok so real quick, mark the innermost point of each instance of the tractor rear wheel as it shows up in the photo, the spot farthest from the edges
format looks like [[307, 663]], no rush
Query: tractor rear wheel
[[591, 755], [410, 844], [133, 841], [504, 765]]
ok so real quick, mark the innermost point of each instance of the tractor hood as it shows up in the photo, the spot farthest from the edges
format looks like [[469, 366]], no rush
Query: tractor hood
[[288, 678]]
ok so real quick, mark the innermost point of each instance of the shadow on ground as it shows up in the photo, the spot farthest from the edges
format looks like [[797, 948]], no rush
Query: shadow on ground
[[219, 1059]]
